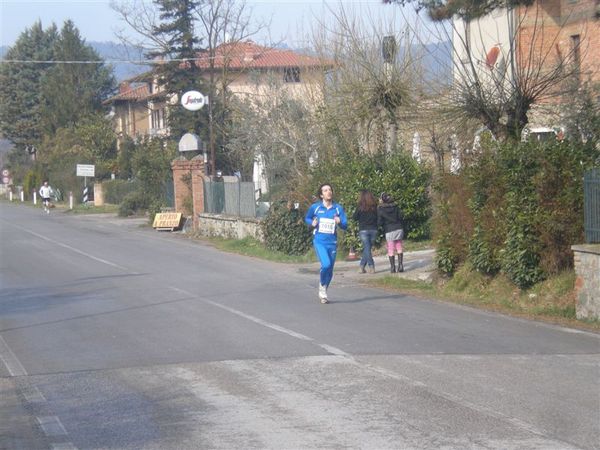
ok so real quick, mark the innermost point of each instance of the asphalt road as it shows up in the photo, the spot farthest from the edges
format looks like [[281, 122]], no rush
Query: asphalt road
[[114, 336]]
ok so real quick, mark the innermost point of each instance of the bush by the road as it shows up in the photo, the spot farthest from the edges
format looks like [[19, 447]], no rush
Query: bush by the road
[[516, 209]]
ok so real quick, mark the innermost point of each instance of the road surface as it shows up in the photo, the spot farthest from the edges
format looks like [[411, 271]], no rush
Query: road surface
[[114, 336]]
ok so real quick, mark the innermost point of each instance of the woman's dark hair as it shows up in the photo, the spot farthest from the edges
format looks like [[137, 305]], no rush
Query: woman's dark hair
[[366, 201], [320, 191], [386, 198]]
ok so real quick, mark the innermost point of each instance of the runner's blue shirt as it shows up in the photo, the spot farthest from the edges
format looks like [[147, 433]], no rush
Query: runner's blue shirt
[[325, 232]]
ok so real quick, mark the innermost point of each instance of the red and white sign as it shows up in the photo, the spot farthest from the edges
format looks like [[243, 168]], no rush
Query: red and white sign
[[5, 180], [193, 100], [5, 173]]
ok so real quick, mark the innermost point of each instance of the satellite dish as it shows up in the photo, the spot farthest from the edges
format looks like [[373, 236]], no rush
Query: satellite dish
[[492, 57]]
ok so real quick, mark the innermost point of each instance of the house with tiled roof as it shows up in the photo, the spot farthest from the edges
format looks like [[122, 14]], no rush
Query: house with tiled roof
[[245, 68]]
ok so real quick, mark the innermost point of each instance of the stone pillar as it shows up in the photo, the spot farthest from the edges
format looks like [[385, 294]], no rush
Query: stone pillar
[[197, 187], [98, 194], [193, 170], [587, 283]]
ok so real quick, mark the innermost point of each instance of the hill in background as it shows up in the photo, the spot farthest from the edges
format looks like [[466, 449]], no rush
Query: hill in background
[[125, 60]]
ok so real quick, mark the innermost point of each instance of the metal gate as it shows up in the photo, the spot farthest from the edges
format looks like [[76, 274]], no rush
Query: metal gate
[[591, 204]]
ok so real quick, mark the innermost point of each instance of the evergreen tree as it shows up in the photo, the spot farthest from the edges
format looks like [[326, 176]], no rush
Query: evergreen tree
[[178, 72], [20, 96], [75, 86]]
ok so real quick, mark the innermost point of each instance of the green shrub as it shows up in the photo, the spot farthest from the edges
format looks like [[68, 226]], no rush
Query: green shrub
[[397, 174], [482, 254], [116, 190], [284, 230], [134, 203], [32, 182], [446, 259], [525, 201], [452, 221]]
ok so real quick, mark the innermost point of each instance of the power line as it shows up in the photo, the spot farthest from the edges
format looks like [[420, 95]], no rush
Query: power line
[[114, 61]]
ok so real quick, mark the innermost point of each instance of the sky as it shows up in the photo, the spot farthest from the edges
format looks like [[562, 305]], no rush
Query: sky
[[96, 21]]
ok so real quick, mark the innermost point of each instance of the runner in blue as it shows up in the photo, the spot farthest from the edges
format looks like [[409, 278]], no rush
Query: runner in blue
[[325, 216]]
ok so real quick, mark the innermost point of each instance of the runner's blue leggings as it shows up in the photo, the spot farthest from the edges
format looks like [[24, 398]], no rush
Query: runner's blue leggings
[[326, 253]]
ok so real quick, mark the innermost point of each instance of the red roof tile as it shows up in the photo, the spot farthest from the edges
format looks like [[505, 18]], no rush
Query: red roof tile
[[134, 93], [248, 55]]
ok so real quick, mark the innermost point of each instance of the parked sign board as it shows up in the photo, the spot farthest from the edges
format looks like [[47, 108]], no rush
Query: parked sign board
[[167, 221], [86, 170]]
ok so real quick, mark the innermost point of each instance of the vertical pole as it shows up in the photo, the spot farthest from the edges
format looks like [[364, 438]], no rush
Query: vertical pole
[[22, 195], [34, 197], [70, 199], [10, 195]]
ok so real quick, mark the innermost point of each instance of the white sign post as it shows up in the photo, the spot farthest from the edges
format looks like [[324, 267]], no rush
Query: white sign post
[[85, 170]]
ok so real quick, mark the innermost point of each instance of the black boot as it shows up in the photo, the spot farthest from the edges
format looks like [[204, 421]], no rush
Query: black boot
[[392, 264], [400, 265]]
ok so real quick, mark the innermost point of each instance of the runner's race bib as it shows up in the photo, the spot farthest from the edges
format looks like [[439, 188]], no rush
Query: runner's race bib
[[327, 226]]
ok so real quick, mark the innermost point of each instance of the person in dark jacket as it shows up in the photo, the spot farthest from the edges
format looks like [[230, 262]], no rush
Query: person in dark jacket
[[389, 217], [366, 216]]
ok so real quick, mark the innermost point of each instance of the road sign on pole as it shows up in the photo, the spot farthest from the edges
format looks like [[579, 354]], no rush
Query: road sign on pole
[[86, 170]]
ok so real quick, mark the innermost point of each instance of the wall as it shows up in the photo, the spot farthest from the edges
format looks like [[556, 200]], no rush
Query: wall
[[183, 168], [218, 225], [587, 284], [561, 19]]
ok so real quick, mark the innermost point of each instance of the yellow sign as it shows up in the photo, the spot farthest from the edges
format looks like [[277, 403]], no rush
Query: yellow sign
[[167, 221]]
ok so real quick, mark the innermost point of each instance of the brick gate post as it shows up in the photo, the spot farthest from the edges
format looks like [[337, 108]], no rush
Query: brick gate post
[[185, 173]]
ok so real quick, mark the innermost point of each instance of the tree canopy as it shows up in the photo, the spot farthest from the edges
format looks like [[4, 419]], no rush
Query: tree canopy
[[71, 90], [440, 10], [20, 80]]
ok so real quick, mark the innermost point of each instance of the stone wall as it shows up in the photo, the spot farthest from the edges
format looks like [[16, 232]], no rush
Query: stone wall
[[587, 284], [219, 225]]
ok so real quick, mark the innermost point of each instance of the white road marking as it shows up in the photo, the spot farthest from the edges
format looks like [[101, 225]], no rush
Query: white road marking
[[254, 319], [33, 395], [63, 446], [68, 247], [51, 426], [334, 350], [11, 362], [377, 369]]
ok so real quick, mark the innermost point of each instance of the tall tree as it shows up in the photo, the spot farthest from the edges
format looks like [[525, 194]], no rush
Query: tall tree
[[76, 85], [164, 30], [440, 10], [176, 70], [21, 72]]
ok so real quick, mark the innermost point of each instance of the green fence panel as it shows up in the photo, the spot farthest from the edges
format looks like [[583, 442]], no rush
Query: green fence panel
[[591, 202], [232, 199]]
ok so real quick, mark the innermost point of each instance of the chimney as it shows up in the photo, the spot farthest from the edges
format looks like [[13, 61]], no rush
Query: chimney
[[124, 87]]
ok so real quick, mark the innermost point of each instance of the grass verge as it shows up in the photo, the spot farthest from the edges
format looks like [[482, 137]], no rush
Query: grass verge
[[551, 301], [252, 247], [92, 209]]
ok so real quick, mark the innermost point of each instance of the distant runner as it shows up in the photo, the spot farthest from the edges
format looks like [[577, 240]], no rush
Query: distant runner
[[45, 193]]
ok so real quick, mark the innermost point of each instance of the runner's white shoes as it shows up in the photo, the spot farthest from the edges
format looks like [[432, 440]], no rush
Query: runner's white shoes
[[323, 294]]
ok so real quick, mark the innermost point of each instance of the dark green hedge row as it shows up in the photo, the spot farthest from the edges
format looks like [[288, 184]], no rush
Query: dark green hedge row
[[116, 190], [398, 174], [515, 209]]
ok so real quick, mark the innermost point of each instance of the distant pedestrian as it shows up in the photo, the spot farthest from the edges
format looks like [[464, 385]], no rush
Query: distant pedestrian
[[366, 216], [325, 216], [45, 193], [390, 218]]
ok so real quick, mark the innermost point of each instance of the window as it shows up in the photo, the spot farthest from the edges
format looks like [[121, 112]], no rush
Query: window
[[576, 51], [158, 117], [291, 75]]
